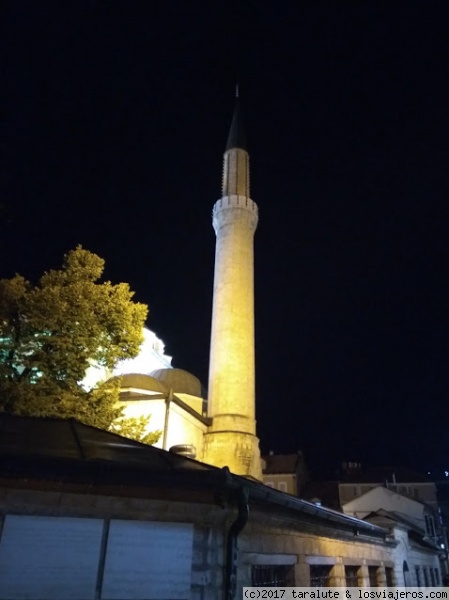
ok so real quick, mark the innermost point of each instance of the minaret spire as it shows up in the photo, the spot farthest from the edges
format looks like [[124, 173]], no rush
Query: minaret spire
[[236, 158], [231, 439]]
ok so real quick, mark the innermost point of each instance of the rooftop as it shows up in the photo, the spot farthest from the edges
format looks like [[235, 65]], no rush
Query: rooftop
[[66, 454]]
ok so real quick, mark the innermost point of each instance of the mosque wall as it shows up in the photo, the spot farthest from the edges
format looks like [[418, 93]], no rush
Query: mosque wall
[[154, 408], [181, 426], [184, 428]]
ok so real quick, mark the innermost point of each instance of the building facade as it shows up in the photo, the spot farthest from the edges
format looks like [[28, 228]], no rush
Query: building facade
[[90, 515]]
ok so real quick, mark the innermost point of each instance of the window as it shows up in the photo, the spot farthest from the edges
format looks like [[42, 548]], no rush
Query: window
[[320, 575], [418, 577], [430, 527], [389, 578], [432, 577], [405, 573], [426, 577], [372, 574], [437, 576], [352, 576], [272, 575]]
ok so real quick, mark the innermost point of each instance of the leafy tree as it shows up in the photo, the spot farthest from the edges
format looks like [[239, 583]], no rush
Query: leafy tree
[[50, 333], [136, 429]]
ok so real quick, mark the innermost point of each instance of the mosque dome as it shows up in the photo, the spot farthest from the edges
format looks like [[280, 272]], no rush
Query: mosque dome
[[146, 383], [180, 381]]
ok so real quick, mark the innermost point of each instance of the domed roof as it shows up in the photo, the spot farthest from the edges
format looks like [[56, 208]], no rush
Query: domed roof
[[179, 380], [143, 382]]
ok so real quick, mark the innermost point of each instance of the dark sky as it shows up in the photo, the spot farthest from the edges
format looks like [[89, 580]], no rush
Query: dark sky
[[116, 118]]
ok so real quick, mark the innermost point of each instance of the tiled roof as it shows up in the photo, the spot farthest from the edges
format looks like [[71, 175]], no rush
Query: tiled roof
[[67, 453], [280, 463]]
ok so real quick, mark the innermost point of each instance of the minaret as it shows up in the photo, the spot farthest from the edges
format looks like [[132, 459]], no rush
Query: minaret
[[231, 439]]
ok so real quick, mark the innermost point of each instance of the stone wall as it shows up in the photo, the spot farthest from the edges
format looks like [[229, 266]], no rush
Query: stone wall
[[273, 539], [289, 541]]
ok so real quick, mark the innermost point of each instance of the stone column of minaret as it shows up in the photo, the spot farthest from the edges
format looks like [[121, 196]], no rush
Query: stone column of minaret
[[231, 439]]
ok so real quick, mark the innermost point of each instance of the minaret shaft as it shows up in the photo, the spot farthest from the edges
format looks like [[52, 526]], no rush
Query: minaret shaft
[[231, 439], [232, 367]]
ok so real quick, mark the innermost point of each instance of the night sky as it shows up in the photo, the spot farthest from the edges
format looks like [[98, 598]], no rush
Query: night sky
[[116, 118]]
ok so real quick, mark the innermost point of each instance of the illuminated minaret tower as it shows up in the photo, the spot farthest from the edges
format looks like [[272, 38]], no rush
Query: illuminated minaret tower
[[231, 439]]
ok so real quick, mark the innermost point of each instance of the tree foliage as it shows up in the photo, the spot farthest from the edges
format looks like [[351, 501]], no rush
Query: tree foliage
[[136, 429], [50, 333]]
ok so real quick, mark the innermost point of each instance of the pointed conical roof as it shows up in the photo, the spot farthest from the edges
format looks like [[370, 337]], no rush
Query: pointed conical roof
[[237, 137]]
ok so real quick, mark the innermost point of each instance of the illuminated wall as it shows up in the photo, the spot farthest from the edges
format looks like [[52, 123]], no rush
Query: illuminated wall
[[182, 427], [151, 357]]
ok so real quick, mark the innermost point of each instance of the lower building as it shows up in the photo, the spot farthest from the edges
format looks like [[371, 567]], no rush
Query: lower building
[[90, 515], [285, 472], [412, 525]]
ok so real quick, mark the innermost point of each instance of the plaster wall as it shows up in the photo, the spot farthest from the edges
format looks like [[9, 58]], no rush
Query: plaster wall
[[409, 557], [381, 498], [193, 401], [155, 409], [183, 428]]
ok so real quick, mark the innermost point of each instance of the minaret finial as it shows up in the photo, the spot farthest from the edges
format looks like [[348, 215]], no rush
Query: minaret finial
[[237, 138]]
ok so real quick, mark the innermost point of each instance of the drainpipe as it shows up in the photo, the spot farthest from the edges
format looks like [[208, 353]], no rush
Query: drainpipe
[[167, 413], [231, 544]]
